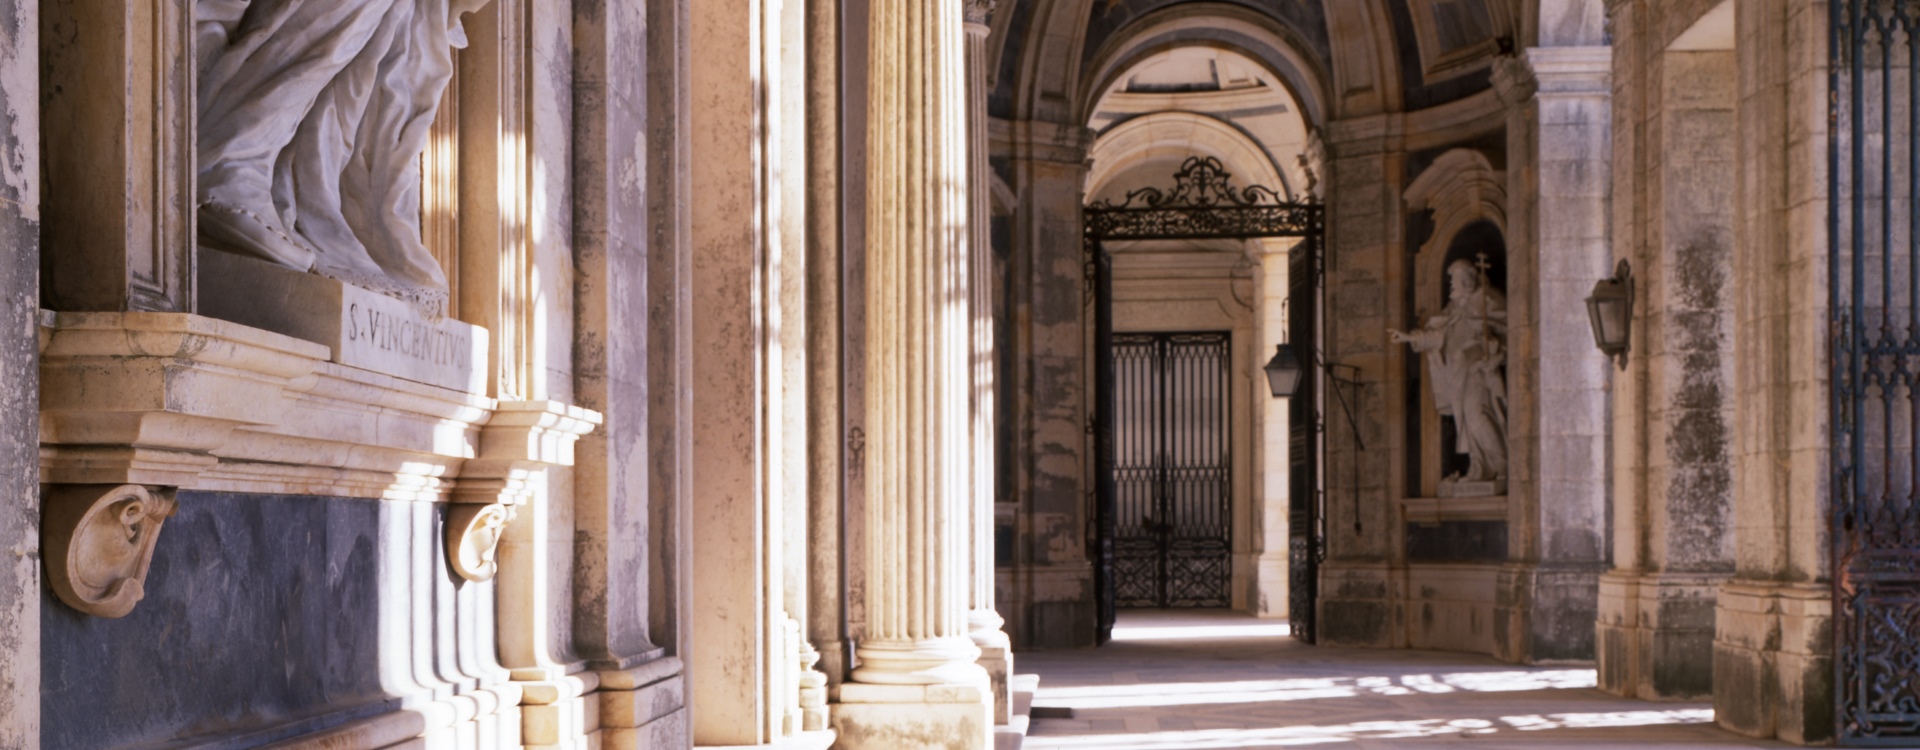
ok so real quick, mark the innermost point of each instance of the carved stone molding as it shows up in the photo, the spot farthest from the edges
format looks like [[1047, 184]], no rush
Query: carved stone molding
[[473, 538], [99, 541]]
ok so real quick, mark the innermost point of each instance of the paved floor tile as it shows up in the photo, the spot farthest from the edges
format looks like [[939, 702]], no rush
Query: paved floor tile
[[1200, 680]]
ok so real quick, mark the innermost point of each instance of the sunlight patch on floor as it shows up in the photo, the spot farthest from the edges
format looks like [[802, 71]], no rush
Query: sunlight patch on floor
[[1263, 691], [1222, 739], [1255, 629]]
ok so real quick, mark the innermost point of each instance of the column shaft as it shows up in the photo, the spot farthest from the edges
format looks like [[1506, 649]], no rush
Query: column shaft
[[983, 620], [918, 685]]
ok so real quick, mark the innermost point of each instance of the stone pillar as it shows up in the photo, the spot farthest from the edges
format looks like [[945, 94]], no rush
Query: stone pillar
[[1673, 417], [1271, 433], [790, 363], [670, 381], [1050, 585], [1559, 172], [918, 685], [996, 651], [731, 652], [1360, 594], [20, 377], [1772, 658], [826, 602], [641, 693]]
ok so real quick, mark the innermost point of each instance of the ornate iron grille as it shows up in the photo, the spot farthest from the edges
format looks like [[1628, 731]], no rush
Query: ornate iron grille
[[1173, 470], [1875, 270], [1202, 204]]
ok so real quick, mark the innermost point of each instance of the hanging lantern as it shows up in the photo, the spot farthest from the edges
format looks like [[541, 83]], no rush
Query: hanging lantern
[[1611, 309]]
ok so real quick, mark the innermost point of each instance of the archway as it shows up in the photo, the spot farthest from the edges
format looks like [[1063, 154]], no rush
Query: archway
[[1202, 204]]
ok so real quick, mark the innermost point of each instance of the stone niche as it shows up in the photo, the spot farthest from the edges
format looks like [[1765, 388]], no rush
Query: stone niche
[[361, 328]]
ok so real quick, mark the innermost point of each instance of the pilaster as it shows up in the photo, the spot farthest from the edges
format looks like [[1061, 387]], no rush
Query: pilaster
[[1049, 586], [1559, 178], [1773, 660], [1674, 207], [919, 684]]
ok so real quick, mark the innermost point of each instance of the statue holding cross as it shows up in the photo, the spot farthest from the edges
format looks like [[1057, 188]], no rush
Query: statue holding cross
[[1466, 361]]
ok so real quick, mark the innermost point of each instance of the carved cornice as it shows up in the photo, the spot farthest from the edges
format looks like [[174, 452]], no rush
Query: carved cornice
[[98, 543], [170, 400], [521, 441]]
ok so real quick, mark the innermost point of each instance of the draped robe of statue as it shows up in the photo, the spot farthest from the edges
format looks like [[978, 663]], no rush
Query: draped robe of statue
[[1466, 351], [312, 118]]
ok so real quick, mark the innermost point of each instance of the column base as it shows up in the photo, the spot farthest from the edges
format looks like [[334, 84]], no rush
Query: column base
[[998, 661], [913, 717], [1361, 605], [1773, 660], [644, 707], [1654, 638], [1548, 611]]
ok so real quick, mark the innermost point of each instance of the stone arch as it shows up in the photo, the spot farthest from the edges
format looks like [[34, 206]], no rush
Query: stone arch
[[1169, 138], [1461, 188], [1276, 49], [1053, 81]]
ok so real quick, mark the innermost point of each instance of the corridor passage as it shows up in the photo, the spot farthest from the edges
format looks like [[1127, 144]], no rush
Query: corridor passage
[[1198, 679]]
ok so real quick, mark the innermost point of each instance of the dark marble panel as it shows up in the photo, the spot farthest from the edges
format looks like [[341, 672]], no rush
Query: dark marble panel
[[260, 612], [1457, 541]]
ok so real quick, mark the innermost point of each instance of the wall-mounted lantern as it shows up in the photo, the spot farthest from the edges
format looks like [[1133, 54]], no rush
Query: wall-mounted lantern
[[1611, 309], [1284, 371]]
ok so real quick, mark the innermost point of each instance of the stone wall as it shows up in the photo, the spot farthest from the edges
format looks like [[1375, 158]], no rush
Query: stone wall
[[19, 375]]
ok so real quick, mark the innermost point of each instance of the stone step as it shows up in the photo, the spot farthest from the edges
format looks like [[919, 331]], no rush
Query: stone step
[[1011, 735]]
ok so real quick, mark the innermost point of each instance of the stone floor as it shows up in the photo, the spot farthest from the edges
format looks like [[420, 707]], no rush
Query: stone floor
[[1201, 680]]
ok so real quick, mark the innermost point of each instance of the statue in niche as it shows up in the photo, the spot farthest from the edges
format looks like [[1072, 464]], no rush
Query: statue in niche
[[1466, 356], [312, 118]]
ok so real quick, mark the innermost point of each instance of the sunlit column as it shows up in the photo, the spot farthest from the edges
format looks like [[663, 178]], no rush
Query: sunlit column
[[919, 354]]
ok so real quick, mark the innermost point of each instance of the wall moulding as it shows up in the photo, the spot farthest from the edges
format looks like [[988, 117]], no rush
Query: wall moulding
[[178, 400], [98, 542]]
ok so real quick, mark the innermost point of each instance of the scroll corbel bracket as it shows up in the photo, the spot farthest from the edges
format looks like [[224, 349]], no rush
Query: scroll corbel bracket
[[99, 542], [473, 538]]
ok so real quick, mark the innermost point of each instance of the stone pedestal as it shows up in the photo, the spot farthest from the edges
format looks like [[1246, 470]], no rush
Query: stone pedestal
[[361, 328], [1656, 634], [1773, 660], [914, 717]]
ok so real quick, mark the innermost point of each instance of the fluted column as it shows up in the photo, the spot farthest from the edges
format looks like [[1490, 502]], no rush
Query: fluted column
[[984, 622], [919, 463]]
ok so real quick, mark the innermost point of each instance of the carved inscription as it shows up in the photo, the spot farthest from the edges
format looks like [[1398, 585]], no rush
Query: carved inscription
[[407, 336]]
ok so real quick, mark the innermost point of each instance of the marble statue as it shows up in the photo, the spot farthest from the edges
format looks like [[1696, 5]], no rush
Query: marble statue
[[312, 118], [1466, 354]]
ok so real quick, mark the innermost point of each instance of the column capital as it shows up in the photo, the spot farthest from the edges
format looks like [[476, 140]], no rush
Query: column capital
[[1573, 71], [1513, 80], [978, 13]]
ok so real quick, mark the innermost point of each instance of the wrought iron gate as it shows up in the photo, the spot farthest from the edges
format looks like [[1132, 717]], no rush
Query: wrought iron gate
[[1173, 470], [1203, 203], [1875, 275]]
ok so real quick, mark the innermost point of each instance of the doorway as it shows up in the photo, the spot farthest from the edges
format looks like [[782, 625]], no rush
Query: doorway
[[1203, 203], [1173, 470]]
